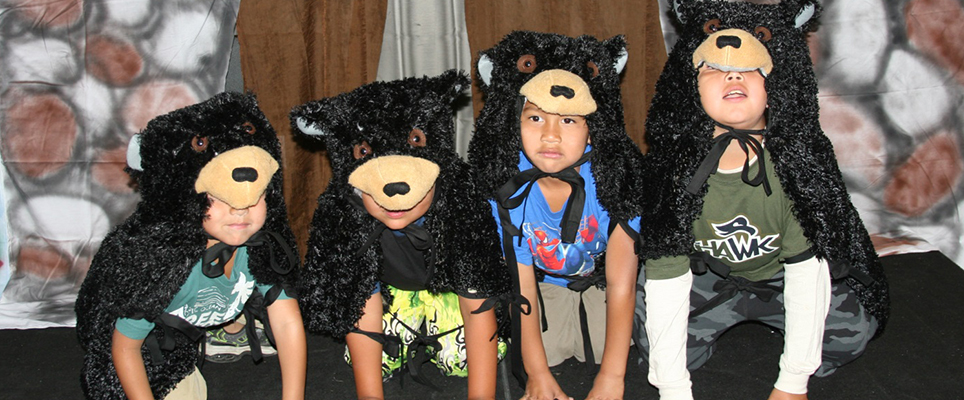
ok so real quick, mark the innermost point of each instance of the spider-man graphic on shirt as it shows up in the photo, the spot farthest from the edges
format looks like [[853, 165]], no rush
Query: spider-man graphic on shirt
[[551, 254]]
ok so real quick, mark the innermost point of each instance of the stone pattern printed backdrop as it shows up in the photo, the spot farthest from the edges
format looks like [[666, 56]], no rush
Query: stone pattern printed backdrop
[[77, 80], [890, 76]]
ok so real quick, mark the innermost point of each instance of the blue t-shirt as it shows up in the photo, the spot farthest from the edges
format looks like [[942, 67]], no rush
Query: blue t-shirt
[[204, 301], [542, 244]]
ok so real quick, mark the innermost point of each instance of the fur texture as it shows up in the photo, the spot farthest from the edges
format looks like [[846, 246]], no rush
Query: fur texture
[[143, 262], [382, 115], [679, 134], [494, 149]]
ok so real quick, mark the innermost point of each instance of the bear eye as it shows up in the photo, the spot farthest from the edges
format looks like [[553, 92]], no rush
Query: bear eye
[[362, 150], [199, 143], [712, 26], [526, 63], [762, 33], [416, 138], [249, 128], [592, 67]]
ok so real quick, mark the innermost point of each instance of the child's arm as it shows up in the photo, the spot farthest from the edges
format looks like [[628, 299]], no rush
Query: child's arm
[[621, 265], [482, 354], [366, 354], [126, 354], [667, 318], [541, 383], [289, 335], [806, 297]]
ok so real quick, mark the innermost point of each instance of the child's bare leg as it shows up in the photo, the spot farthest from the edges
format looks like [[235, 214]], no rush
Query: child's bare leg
[[366, 354]]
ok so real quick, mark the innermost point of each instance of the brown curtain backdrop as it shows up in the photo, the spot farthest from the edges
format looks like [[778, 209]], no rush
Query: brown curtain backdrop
[[294, 51], [489, 20]]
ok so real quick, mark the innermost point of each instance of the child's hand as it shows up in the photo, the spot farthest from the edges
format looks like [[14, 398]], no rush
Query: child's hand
[[778, 394], [606, 387], [544, 388]]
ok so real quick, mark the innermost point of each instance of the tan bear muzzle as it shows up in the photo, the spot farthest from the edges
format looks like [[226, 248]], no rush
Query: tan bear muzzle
[[559, 92], [238, 176], [395, 182], [733, 50]]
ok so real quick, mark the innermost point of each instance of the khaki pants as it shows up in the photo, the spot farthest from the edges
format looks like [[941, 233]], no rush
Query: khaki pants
[[192, 387], [563, 339]]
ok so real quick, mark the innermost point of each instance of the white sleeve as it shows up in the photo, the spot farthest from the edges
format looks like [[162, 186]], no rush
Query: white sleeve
[[667, 320], [806, 296]]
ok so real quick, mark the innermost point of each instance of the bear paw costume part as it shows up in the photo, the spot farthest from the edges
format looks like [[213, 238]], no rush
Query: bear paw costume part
[[680, 136], [143, 262], [394, 141]]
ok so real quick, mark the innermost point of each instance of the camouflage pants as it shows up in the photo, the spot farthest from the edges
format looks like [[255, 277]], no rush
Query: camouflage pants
[[848, 326]]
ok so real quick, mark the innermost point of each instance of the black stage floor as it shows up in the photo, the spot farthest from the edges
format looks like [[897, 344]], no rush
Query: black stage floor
[[920, 356]]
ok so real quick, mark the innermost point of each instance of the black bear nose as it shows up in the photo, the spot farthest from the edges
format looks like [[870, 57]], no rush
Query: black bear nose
[[394, 188], [244, 174], [564, 91], [727, 40]]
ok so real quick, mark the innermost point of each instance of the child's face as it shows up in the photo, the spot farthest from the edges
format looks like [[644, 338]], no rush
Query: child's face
[[233, 226], [736, 99], [396, 220], [553, 142]]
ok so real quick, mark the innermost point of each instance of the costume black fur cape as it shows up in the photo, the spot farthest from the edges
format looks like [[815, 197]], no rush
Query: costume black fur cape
[[495, 146], [336, 282], [143, 262], [679, 134]]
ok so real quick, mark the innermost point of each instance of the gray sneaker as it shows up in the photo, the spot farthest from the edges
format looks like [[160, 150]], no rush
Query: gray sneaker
[[224, 347]]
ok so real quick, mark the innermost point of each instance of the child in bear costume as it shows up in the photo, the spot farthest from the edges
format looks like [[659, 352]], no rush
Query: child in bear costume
[[554, 159], [745, 192], [402, 237], [209, 177]]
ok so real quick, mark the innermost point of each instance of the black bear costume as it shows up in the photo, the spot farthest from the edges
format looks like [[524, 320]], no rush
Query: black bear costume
[[679, 137], [399, 138], [522, 55], [143, 262], [563, 76]]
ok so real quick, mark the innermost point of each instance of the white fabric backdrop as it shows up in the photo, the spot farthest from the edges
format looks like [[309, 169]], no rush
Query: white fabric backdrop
[[427, 37]]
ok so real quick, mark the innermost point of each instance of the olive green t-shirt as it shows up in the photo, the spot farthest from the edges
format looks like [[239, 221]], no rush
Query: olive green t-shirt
[[741, 226]]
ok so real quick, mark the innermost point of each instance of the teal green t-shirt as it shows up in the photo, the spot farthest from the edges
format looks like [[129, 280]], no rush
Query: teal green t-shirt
[[204, 301], [742, 227]]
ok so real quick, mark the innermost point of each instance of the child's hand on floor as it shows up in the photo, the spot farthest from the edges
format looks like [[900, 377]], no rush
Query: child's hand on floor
[[543, 388], [606, 387]]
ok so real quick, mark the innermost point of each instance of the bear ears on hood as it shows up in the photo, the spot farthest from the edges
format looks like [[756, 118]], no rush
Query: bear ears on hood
[[695, 14], [522, 54], [337, 115]]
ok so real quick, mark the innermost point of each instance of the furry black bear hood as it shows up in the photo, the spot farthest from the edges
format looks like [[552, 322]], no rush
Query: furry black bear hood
[[679, 135], [522, 55], [143, 262], [410, 118]]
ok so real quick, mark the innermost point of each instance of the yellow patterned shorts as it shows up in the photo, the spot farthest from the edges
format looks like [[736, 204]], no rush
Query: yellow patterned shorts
[[440, 315]]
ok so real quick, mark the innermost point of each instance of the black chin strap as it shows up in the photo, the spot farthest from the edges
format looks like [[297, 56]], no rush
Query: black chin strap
[[222, 253], [574, 206], [720, 143]]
